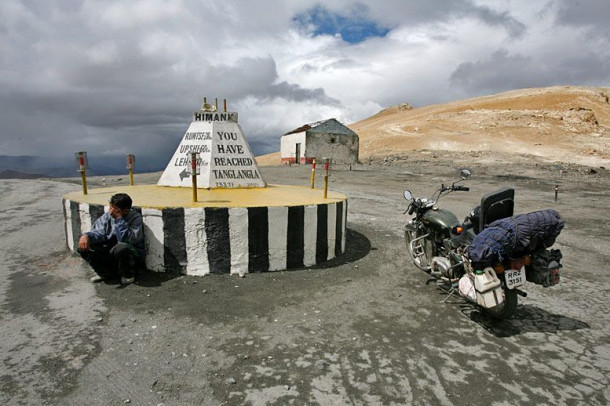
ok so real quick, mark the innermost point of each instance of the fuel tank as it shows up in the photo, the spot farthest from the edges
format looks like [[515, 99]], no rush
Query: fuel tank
[[440, 221]]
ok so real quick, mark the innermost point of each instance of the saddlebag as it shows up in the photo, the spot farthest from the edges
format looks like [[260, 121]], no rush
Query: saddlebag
[[544, 268]]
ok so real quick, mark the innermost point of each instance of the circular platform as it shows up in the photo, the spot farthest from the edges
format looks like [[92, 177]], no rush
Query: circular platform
[[227, 230]]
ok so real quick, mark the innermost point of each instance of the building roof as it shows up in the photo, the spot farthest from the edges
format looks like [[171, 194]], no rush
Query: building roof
[[330, 125]]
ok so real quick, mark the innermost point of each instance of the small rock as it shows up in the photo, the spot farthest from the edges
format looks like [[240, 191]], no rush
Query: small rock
[[100, 319], [321, 364], [232, 381], [205, 291], [127, 401], [287, 387]]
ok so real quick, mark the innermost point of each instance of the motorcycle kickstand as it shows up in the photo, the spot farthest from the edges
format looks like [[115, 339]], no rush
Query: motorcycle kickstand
[[450, 292]]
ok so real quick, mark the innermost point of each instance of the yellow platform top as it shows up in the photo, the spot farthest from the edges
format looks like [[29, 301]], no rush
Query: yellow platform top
[[159, 197]]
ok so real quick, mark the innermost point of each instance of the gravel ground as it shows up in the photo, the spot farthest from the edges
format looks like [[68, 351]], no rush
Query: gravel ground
[[365, 328]]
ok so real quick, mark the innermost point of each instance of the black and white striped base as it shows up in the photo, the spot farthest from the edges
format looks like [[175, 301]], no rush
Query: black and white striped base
[[199, 241]]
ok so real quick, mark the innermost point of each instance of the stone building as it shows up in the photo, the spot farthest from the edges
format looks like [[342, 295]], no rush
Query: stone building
[[319, 140]]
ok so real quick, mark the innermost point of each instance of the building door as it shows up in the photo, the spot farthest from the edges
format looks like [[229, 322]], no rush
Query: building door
[[297, 153]]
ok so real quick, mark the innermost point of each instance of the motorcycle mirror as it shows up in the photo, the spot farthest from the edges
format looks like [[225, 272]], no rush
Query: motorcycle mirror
[[408, 195], [465, 174]]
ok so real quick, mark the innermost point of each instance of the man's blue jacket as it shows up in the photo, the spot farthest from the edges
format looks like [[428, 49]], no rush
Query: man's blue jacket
[[127, 229]]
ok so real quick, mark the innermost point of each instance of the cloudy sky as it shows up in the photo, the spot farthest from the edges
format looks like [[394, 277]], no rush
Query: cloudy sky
[[116, 77]]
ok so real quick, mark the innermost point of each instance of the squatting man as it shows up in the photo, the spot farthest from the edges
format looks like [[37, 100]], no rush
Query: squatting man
[[115, 245]]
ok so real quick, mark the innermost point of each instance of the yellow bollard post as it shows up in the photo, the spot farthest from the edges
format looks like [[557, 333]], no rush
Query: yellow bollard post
[[194, 188], [326, 179], [82, 164], [131, 160], [194, 173], [84, 178], [313, 172]]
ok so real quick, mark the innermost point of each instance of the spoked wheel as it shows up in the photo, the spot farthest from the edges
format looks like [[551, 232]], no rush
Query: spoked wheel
[[507, 309], [420, 247]]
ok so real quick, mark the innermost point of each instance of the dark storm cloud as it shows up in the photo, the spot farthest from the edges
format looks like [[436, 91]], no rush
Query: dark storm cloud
[[586, 13], [115, 77], [434, 11], [502, 71], [514, 27], [499, 72], [257, 77]]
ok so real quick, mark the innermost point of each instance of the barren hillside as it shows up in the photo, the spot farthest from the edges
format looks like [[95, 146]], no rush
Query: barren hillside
[[569, 124]]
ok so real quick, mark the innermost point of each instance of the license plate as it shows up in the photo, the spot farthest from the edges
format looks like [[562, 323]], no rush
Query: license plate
[[515, 277]]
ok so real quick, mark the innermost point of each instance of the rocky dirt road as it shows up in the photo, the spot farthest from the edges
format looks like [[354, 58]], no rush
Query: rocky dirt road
[[364, 329]]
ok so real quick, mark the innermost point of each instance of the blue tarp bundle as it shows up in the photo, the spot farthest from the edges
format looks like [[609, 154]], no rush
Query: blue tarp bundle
[[514, 236]]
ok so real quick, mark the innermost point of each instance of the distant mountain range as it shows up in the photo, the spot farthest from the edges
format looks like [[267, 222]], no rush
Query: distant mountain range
[[10, 174], [27, 167]]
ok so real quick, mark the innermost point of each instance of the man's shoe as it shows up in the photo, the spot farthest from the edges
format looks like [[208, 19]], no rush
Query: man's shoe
[[127, 281], [96, 279]]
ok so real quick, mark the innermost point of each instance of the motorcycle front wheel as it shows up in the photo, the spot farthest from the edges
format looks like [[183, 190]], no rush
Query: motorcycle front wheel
[[507, 309], [420, 248]]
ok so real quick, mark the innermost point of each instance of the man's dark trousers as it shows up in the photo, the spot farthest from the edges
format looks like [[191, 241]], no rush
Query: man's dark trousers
[[112, 261]]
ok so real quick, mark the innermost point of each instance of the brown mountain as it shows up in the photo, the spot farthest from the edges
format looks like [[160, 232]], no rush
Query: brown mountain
[[561, 123]]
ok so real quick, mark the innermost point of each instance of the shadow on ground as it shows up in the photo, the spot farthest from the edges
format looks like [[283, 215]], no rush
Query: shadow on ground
[[528, 319], [357, 246]]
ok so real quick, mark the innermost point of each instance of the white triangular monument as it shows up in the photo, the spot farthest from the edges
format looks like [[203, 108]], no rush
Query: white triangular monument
[[225, 157]]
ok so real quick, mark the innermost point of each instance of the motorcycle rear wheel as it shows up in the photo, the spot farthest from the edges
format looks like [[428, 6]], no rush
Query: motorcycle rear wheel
[[507, 309]]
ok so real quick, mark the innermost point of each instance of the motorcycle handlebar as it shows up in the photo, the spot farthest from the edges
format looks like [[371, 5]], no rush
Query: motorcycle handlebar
[[463, 188]]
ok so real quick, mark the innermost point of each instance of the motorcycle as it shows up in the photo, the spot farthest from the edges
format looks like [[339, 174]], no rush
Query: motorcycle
[[486, 258]]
